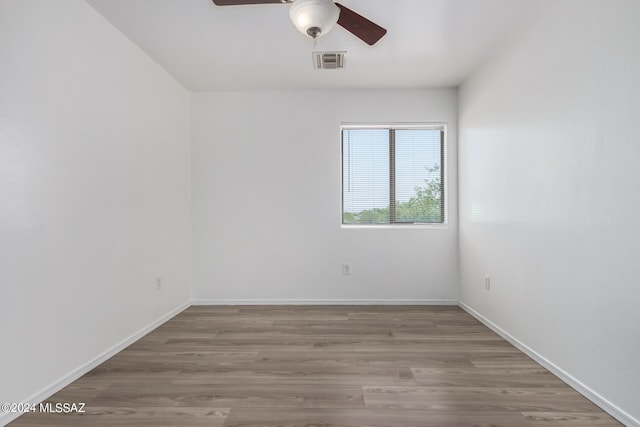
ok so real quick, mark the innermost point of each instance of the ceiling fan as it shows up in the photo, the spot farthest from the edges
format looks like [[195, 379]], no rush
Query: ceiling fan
[[317, 17]]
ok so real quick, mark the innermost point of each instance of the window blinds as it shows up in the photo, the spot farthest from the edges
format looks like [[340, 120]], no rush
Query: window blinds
[[392, 175]]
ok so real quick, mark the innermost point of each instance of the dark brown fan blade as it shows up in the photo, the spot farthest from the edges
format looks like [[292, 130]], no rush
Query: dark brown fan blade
[[369, 32], [241, 2]]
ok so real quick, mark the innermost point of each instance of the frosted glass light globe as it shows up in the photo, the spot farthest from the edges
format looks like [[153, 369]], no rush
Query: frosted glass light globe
[[314, 17]]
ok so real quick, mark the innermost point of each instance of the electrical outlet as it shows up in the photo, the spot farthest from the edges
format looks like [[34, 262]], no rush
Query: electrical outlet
[[158, 283], [346, 269], [487, 282]]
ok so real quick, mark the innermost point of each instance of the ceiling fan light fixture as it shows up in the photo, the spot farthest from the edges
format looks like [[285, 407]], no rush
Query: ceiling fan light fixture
[[314, 17]]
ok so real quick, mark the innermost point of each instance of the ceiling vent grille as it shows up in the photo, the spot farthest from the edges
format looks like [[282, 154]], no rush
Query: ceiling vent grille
[[328, 60]]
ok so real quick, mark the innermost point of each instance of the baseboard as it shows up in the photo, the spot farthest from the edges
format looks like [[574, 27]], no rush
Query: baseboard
[[80, 371], [325, 302], [581, 388]]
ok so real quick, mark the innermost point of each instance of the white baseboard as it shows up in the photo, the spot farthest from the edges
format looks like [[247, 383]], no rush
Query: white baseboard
[[581, 388], [325, 302], [83, 369]]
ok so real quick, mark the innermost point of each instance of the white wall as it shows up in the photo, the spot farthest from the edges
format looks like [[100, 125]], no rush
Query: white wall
[[266, 172], [94, 192], [550, 194]]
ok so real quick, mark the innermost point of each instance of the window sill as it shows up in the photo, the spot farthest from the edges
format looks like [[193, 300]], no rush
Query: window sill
[[394, 226]]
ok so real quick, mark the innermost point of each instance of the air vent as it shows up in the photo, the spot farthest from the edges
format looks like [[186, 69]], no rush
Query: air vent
[[328, 60]]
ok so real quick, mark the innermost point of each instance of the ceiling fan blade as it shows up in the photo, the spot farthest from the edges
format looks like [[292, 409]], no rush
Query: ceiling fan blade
[[369, 32], [241, 2]]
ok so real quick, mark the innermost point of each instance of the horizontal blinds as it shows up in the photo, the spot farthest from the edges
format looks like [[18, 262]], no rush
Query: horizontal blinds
[[416, 175], [365, 176]]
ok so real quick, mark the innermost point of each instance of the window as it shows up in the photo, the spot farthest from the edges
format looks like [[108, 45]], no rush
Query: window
[[392, 175]]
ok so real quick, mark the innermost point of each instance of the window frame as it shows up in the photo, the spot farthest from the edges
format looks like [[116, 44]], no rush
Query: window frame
[[392, 127]]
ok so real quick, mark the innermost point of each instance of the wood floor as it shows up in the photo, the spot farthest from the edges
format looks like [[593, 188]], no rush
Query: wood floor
[[325, 366]]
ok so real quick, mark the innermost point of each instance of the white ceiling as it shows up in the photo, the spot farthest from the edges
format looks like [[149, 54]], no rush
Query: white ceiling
[[430, 43]]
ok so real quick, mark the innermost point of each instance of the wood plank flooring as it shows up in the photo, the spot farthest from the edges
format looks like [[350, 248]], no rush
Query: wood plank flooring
[[382, 366]]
